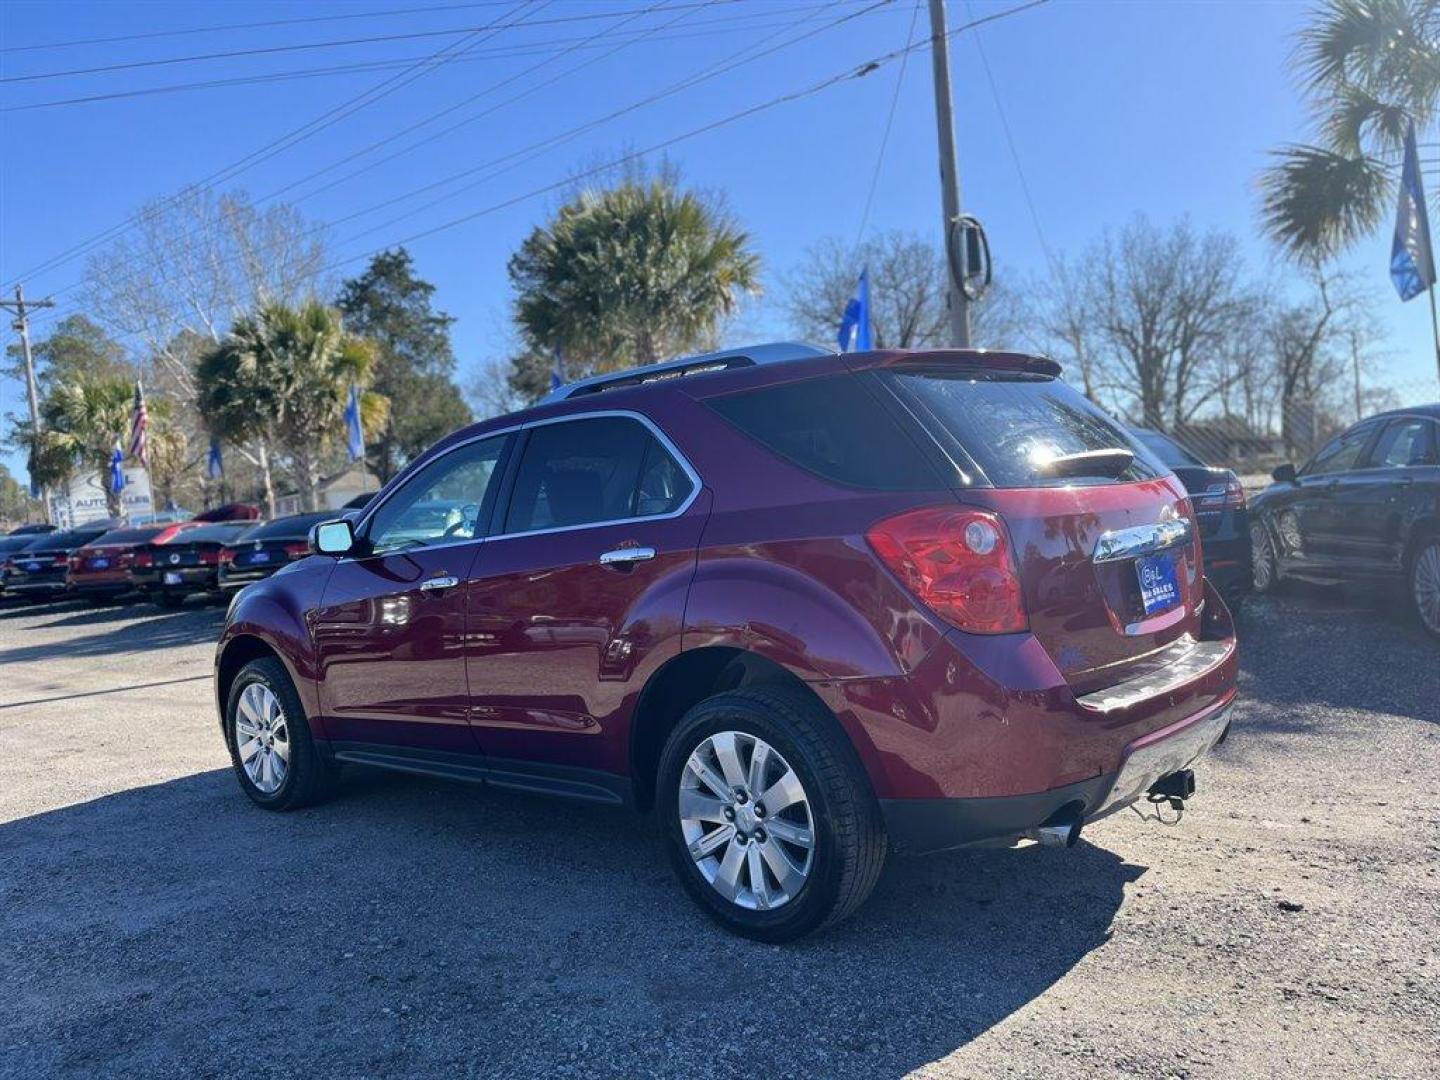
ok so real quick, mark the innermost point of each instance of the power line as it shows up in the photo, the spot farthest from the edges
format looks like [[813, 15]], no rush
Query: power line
[[731, 24], [387, 13], [335, 44], [722, 67], [326, 119], [1010, 142], [853, 73], [889, 123]]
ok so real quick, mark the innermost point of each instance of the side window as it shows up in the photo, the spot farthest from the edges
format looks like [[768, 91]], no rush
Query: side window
[[587, 471], [1341, 453], [1404, 443], [441, 503]]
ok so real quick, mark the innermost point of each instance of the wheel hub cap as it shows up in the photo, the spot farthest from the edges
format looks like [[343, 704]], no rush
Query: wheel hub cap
[[746, 820], [262, 738]]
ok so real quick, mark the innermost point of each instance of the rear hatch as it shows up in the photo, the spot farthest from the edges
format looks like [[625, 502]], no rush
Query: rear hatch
[[1103, 536]]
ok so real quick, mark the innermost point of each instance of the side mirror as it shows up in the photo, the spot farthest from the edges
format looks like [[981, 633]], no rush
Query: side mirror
[[332, 538], [1284, 474]]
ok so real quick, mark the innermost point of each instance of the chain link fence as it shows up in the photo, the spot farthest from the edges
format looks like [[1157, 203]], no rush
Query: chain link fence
[[1253, 437]]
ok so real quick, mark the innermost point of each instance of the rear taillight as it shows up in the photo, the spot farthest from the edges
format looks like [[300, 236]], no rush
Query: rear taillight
[[209, 556], [958, 563], [144, 559], [227, 557], [62, 560], [297, 550], [1227, 496]]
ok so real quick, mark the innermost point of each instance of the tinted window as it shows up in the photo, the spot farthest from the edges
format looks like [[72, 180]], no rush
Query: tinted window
[[74, 539], [1340, 453], [127, 536], [1404, 443], [1171, 453], [604, 469], [212, 534], [441, 503], [15, 543], [835, 427], [1011, 425], [297, 527]]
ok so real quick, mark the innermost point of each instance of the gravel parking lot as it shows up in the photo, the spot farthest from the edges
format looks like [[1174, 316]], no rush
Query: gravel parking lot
[[153, 923]]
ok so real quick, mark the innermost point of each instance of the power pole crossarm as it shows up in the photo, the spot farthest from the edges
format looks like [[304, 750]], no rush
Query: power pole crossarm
[[957, 301], [22, 310]]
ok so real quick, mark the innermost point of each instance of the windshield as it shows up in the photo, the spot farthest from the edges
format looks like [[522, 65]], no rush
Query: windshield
[[1013, 425]]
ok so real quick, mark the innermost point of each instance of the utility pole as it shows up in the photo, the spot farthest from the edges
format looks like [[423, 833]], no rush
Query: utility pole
[[22, 324], [956, 300]]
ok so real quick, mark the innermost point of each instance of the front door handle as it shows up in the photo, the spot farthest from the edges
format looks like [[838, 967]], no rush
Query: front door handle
[[626, 555], [436, 584]]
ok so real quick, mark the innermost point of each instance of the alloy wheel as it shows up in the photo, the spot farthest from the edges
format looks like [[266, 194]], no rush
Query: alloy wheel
[[1425, 585], [746, 820], [1262, 564], [262, 738]]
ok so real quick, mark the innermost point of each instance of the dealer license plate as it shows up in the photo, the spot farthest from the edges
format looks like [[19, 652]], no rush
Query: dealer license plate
[[1159, 583]]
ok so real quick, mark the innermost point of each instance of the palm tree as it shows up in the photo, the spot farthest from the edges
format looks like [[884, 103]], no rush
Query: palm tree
[[1372, 67], [85, 418], [280, 381], [629, 275]]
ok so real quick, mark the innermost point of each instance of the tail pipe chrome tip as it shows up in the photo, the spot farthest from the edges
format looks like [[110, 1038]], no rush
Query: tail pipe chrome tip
[[1061, 831]]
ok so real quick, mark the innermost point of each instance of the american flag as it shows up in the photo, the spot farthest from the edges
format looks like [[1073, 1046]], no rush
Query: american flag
[[139, 421]]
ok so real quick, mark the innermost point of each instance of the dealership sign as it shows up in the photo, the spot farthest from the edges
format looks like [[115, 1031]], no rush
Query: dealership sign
[[84, 500]]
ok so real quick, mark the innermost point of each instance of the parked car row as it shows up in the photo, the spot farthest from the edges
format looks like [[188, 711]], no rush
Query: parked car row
[[163, 562]]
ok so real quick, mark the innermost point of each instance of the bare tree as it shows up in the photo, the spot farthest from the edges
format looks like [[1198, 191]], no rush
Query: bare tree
[[907, 295], [1164, 303], [194, 262]]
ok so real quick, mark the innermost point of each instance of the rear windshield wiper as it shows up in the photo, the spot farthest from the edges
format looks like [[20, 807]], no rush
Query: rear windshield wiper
[[1109, 463]]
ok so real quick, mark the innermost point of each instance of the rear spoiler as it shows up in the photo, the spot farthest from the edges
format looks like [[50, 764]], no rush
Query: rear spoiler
[[962, 358]]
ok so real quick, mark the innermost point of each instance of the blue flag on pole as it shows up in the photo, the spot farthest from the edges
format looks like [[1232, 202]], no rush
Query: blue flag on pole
[[855, 323], [354, 435], [557, 371], [215, 466], [117, 469], [1412, 264]]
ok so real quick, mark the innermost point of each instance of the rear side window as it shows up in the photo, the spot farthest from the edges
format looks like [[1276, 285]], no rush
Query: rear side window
[[1404, 444], [592, 470], [1012, 424], [832, 426]]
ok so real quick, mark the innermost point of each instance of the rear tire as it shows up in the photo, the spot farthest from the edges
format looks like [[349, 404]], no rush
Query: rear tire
[[1264, 574], [284, 771], [1423, 580], [823, 857]]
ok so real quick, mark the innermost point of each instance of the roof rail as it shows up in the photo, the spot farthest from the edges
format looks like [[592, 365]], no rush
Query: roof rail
[[725, 359]]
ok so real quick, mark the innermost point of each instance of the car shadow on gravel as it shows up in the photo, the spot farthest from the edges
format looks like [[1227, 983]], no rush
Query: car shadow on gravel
[[132, 630], [1324, 649], [412, 927]]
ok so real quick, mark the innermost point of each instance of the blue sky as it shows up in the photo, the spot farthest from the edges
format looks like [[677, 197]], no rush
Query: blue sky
[[1115, 108]]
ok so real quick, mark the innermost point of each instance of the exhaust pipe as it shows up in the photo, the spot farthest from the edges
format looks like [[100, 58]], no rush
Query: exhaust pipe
[[1061, 834]]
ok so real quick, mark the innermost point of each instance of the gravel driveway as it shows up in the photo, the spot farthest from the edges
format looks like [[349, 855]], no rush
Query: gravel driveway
[[154, 924]]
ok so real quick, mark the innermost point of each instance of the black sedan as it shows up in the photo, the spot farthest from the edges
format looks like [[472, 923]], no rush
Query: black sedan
[[1219, 502], [39, 567], [1364, 510], [263, 550], [185, 564]]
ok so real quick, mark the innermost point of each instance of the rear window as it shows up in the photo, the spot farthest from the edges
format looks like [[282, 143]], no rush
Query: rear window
[[286, 527], [1010, 424], [1167, 449], [835, 427], [78, 538], [212, 534], [127, 536]]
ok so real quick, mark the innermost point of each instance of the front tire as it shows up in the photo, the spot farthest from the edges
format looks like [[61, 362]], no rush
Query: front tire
[[1423, 580], [271, 748], [771, 872]]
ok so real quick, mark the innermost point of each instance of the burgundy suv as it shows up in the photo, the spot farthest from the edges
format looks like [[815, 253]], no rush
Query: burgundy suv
[[803, 606]]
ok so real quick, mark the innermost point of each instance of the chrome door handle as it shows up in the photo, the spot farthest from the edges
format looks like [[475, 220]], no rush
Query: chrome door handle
[[435, 584], [623, 556]]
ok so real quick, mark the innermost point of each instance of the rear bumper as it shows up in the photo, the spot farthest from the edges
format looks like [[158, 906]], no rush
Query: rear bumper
[[928, 825]]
